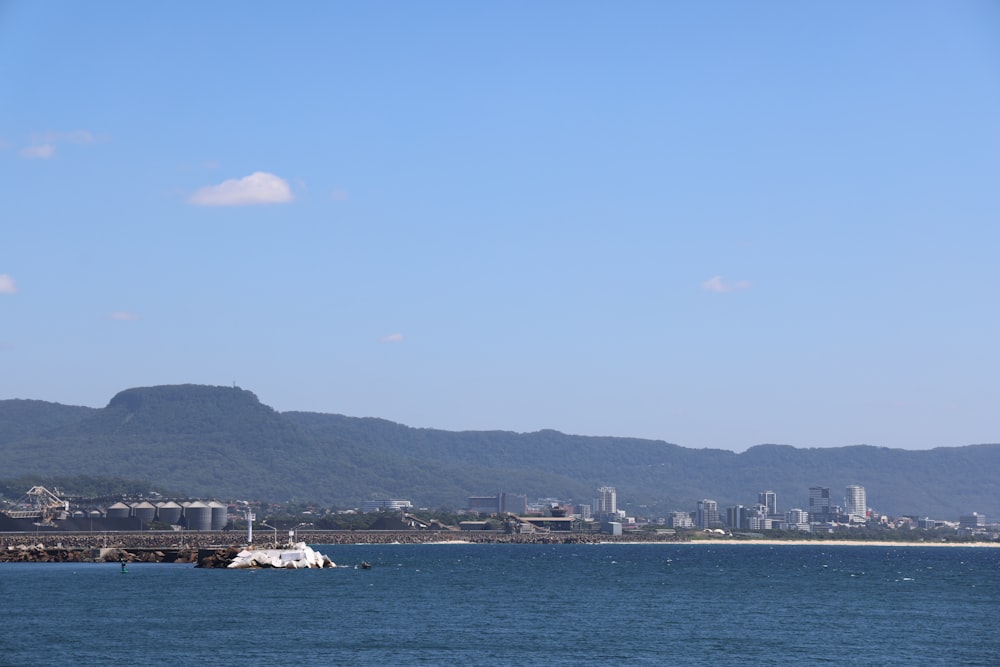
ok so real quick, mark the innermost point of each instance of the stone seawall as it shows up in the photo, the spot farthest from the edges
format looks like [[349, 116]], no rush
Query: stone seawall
[[40, 553], [175, 547]]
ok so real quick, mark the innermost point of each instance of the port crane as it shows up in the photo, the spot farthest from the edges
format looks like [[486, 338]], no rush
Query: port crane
[[41, 505]]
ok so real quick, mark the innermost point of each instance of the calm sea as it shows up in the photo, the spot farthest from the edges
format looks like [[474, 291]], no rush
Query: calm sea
[[519, 605]]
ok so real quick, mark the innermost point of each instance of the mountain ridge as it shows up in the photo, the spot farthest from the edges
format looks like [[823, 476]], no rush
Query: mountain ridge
[[222, 441]]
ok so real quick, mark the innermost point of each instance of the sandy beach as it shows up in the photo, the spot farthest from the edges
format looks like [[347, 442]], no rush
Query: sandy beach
[[838, 543]]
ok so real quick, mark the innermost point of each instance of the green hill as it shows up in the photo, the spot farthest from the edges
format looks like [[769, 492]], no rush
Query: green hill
[[24, 419], [222, 442]]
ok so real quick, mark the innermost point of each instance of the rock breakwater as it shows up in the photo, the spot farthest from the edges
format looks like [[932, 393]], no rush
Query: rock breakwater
[[169, 546]]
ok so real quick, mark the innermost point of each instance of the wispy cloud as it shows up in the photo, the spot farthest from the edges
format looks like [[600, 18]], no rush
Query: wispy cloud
[[7, 284], [717, 284], [340, 194], [43, 144], [39, 152], [391, 338], [124, 316], [259, 187], [72, 137]]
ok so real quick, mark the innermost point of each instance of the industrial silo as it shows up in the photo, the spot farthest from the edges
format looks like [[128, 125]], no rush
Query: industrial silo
[[144, 512], [198, 516], [118, 511], [220, 515], [168, 512]]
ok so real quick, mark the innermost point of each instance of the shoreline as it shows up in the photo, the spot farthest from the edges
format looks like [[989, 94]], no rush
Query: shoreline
[[847, 543], [771, 543]]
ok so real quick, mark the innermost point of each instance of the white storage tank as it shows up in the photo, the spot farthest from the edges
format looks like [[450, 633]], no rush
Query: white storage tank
[[145, 512], [169, 512], [119, 511], [198, 516], [220, 515]]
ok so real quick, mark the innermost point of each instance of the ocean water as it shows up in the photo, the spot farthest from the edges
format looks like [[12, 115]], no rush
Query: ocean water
[[459, 604]]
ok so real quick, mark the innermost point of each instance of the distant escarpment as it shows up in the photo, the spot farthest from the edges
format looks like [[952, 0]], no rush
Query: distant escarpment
[[222, 442]]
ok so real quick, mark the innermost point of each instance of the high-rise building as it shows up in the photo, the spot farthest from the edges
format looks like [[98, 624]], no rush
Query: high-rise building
[[758, 517], [737, 517], [768, 499], [708, 514], [819, 503], [797, 519], [606, 501], [856, 503]]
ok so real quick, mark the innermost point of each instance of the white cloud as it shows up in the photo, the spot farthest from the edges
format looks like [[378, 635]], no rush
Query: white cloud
[[259, 187], [39, 152], [43, 144], [124, 316], [391, 338], [7, 284], [72, 137], [717, 284]]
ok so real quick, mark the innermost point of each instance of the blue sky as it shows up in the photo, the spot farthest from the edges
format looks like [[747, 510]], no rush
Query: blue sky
[[715, 224]]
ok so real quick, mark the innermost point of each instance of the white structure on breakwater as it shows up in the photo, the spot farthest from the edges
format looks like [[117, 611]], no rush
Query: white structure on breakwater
[[299, 556]]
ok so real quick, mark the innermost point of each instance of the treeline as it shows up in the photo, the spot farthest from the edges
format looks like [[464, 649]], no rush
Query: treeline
[[85, 486]]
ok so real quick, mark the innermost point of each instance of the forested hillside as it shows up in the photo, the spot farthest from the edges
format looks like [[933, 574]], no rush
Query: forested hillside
[[22, 419], [222, 442]]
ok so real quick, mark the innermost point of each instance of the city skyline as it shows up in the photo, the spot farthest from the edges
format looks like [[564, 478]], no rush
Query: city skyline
[[712, 225], [822, 515]]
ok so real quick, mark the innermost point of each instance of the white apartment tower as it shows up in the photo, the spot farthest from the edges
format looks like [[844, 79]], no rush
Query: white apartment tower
[[708, 514], [797, 519], [606, 501], [856, 502], [768, 499]]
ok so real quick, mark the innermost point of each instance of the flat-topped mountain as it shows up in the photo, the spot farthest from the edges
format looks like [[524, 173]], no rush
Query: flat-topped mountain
[[221, 441]]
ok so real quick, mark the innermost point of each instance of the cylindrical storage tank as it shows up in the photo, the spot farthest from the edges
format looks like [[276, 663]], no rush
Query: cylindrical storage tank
[[168, 512], [220, 515], [95, 514], [145, 512], [118, 511], [198, 516]]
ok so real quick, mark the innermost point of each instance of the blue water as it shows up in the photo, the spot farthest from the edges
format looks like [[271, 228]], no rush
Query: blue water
[[519, 605]]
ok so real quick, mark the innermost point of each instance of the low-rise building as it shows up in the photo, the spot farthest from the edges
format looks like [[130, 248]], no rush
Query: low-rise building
[[386, 505]]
